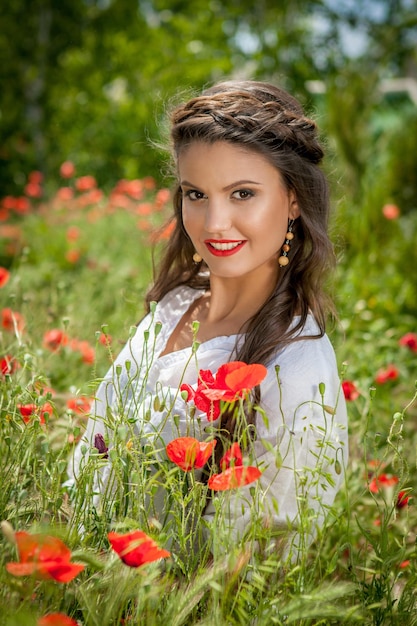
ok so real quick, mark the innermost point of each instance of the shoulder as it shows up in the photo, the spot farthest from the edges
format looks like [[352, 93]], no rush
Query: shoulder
[[302, 389], [307, 349], [297, 372]]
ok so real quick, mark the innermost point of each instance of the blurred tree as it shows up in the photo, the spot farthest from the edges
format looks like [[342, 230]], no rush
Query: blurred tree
[[401, 167], [33, 35], [367, 41], [88, 80], [370, 131]]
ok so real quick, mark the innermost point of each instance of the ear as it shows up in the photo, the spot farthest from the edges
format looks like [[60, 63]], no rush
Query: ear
[[294, 210]]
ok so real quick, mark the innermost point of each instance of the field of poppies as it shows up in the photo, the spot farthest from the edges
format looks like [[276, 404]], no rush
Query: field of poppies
[[75, 263]]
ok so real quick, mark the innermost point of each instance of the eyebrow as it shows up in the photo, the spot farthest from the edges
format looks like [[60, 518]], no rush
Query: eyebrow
[[185, 183]]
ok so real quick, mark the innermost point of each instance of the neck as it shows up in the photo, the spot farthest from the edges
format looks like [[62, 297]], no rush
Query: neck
[[239, 299]]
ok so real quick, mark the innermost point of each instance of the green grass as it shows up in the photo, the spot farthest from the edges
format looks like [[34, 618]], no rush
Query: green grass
[[362, 567]]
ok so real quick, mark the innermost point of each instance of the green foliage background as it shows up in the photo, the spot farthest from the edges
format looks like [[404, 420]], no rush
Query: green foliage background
[[90, 80]]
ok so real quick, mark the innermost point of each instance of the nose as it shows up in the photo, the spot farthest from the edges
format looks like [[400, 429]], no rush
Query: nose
[[218, 218]]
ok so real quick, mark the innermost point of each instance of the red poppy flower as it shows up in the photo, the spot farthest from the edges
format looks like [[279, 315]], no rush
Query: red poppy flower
[[162, 196], [134, 188], [33, 190], [233, 457], [11, 320], [29, 411], [90, 197], [387, 373], [8, 203], [35, 177], [164, 233], [118, 200], [206, 381], [375, 465], [85, 183], [4, 276], [350, 390], [56, 619], [187, 452], [403, 499], [80, 405], [149, 183], [383, 480], [391, 211], [105, 339], [73, 256], [22, 205], [44, 556], [65, 194], [136, 548], [67, 169], [410, 341], [234, 477], [8, 364], [86, 350], [45, 408], [73, 233], [55, 338], [233, 380]]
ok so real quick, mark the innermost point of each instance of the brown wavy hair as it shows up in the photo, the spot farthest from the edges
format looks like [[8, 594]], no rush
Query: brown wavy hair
[[266, 119]]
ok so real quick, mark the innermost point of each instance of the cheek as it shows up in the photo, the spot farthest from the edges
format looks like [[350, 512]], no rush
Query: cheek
[[269, 224], [190, 221], [269, 233]]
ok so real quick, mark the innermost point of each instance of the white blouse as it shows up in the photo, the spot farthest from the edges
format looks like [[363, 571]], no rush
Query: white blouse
[[301, 445]]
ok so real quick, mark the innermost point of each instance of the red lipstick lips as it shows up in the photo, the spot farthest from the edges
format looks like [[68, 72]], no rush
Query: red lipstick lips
[[224, 247]]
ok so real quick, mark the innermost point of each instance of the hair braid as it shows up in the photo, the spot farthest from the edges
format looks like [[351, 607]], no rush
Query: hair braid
[[267, 121]]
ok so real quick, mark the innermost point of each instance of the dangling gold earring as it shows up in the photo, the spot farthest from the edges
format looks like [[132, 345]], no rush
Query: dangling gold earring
[[197, 258], [283, 259]]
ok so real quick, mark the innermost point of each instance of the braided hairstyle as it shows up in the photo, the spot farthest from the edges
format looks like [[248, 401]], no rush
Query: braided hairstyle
[[266, 119]]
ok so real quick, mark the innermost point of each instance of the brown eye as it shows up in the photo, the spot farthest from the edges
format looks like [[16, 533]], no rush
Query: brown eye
[[194, 195], [243, 194]]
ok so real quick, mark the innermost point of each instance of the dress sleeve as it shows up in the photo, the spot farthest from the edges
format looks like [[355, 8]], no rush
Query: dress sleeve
[[301, 450], [138, 395], [114, 392]]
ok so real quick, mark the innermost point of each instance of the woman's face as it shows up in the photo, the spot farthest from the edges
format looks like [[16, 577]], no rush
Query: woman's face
[[235, 208]]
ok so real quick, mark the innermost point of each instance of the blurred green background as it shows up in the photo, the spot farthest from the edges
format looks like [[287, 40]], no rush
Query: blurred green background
[[89, 80]]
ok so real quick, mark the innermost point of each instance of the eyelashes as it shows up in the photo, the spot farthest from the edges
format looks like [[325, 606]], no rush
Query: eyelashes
[[243, 194], [240, 194], [193, 195]]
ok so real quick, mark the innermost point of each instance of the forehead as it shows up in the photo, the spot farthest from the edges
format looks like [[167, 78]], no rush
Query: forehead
[[203, 157]]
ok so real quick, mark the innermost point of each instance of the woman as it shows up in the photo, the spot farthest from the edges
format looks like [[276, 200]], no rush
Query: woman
[[241, 280]]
